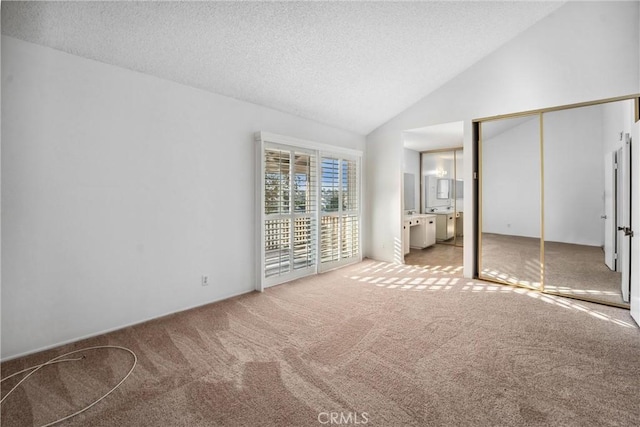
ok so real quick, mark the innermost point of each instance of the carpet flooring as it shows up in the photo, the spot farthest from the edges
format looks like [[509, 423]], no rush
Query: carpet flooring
[[570, 269], [440, 257], [387, 344]]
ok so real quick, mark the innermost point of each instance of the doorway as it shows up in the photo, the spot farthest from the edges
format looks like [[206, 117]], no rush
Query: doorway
[[433, 196]]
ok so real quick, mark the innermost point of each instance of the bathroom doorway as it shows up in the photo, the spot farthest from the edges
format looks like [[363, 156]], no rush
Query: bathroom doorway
[[433, 196]]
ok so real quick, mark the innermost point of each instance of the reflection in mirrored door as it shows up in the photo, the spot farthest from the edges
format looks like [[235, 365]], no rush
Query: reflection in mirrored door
[[440, 192], [459, 198], [584, 200], [554, 193], [510, 208]]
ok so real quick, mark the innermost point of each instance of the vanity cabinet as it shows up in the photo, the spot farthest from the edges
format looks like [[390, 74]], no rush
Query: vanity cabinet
[[445, 225], [406, 230], [459, 224], [422, 231], [430, 226]]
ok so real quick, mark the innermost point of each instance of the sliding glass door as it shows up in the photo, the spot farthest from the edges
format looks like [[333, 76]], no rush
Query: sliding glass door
[[309, 209]]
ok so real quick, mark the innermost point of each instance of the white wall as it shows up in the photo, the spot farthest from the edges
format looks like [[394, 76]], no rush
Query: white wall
[[511, 179], [383, 190], [617, 117], [583, 51], [119, 190], [411, 164], [574, 176]]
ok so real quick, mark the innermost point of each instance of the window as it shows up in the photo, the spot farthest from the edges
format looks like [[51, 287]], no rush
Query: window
[[289, 228], [340, 214], [291, 193]]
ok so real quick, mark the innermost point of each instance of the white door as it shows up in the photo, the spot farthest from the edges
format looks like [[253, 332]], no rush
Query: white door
[[635, 269], [609, 217], [624, 214]]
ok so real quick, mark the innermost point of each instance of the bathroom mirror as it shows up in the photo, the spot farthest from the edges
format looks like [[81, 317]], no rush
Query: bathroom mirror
[[459, 188], [440, 169], [409, 192], [437, 170], [510, 201], [442, 191]]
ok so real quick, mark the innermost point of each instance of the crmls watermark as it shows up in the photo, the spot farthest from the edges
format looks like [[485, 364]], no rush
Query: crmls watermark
[[343, 418]]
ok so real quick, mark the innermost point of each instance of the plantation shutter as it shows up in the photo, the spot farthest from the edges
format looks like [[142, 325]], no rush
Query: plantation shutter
[[340, 211], [295, 182], [290, 213]]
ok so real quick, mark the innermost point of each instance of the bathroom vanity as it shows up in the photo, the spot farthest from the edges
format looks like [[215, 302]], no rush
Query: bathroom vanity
[[445, 225], [419, 231]]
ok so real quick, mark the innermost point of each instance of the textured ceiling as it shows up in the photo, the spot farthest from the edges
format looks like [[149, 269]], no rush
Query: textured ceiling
[[353, 65]]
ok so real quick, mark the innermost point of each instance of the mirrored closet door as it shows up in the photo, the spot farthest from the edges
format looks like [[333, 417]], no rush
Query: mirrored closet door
[[583, 195], [554, 200], [510, 180]]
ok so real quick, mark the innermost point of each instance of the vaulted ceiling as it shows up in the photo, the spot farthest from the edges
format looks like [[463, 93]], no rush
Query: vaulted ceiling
[[352, 65]]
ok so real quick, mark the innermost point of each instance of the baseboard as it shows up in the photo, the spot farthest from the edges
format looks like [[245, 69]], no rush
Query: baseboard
[[117, 328]]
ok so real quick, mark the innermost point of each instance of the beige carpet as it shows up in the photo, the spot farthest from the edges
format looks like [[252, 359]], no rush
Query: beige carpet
[[404, 345], [440, 257], [570, 269]]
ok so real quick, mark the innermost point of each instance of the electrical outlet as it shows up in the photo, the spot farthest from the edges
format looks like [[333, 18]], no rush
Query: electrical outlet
[[205, 281]]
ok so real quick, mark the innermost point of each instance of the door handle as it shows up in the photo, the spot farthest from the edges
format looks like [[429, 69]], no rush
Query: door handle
[[627, 231], [603, 216]]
